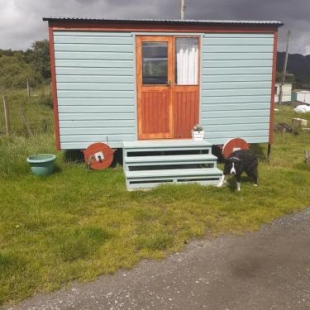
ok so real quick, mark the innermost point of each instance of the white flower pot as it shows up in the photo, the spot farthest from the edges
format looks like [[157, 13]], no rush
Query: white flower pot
[[198, 135]]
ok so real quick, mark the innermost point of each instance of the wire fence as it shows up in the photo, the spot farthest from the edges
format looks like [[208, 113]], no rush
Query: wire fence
[[26, 113]]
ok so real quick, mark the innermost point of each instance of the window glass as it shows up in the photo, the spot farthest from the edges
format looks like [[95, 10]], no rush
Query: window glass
[[154, 62], [186, 61]]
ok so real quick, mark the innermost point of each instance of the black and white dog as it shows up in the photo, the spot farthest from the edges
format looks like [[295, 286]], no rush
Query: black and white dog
[[238, 162]]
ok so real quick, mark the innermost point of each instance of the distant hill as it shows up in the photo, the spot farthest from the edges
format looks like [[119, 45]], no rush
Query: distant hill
[[297, 64]]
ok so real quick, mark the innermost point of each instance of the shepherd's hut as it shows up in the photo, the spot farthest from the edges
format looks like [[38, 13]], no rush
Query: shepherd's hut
[[142, 86]]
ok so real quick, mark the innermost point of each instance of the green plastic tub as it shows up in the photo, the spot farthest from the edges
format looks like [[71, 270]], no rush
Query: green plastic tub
[[42, 164]]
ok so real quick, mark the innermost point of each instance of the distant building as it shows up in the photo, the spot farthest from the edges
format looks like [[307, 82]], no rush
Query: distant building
[[301, 96], [286, 92]]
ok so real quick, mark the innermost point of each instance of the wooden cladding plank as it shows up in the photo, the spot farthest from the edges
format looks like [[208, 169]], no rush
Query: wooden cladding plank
[[92, 34], [248, 35], [95, 130], [221, 141], [228, 79], [109, 123], [155, 112], [210, 72], [238, 56], [96, 101], [74, 39], [236, 63], [237, 49], [235, 92], [92, 48], [228, 127], [95, 94], [233, 120], [238, 113], [81, 63], [96, 109], [88, 78], [186, 109], [235, 107], [216, 101], [96, 86], [85, 144], [86, 55], [236, 133], [236, 85], [95, 116], [95, 138], [95, 71], [242, 40]]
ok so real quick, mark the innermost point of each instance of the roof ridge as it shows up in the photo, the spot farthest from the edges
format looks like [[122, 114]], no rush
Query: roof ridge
[[186, 21]]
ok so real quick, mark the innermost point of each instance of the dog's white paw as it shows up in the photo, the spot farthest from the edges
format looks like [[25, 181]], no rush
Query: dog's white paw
[[255, 184], [221, 184]]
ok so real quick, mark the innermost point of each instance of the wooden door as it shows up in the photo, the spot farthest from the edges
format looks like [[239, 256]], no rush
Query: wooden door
[[168, 101]]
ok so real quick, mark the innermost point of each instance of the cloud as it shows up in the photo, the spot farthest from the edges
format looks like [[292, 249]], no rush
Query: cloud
[[21, 20]]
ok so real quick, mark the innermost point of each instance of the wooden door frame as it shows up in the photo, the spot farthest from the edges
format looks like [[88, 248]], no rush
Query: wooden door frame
[[171, 39], [163, 87]]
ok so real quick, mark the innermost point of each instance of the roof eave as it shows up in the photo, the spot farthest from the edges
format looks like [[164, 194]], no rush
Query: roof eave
[[258, 23]]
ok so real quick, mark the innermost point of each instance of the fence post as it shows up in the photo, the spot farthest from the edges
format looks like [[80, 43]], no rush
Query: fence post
[[24, 120], [28, 88], [6, 117]]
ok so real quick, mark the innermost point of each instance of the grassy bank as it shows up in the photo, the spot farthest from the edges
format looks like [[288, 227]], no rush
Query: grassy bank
[[78, 224]]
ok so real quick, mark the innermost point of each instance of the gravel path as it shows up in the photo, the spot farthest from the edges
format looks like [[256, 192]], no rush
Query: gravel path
[[268, 269]]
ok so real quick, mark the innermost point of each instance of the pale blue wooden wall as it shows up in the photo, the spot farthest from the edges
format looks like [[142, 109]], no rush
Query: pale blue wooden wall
[[95, 74], [236, 83]]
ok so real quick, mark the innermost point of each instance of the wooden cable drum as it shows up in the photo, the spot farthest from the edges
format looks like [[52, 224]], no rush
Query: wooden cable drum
[[98, 156], [234, 145]]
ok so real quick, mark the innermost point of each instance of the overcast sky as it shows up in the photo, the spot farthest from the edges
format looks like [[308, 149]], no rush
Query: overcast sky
[[21, 20]]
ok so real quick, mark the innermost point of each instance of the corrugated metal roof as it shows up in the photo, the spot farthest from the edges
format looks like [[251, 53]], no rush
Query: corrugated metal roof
[[172, 21]]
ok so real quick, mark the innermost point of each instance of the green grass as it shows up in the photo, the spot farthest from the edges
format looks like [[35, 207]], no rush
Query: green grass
[[77, 224]]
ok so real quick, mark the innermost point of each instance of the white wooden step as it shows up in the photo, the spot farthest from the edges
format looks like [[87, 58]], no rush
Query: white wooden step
[[191, 158], [172, 173], [138, 180]]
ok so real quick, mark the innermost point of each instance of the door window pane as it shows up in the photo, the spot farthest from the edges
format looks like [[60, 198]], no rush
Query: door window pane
[[186, 61], [154, 63]]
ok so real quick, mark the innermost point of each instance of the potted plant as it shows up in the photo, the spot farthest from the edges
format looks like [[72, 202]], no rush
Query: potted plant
[[198, 132]]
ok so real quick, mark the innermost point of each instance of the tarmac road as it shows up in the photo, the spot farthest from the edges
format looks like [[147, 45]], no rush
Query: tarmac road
[[268, 269]]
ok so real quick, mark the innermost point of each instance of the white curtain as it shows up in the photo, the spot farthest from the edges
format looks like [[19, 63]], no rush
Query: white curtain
[[187, 61]]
